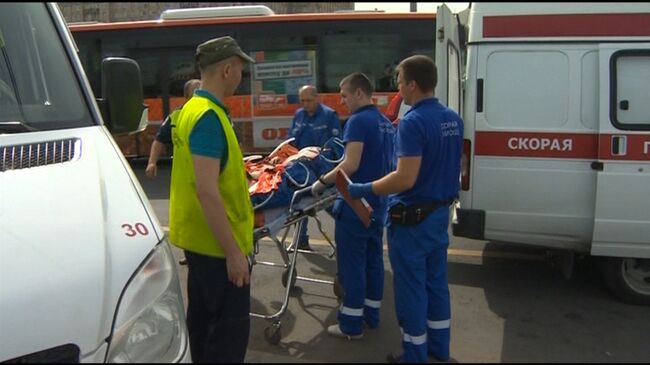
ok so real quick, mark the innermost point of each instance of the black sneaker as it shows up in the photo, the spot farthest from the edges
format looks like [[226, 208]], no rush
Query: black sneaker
[[393, 358], [434, 359], [304, 245]]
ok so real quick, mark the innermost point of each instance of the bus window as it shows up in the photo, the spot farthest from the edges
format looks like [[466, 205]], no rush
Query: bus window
[[335, 44]]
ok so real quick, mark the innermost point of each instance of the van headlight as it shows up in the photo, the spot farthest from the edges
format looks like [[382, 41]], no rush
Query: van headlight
[[150, 321]]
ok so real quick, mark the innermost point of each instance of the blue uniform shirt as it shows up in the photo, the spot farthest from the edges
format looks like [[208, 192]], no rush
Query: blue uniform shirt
[[164, 134], [314, 130], [369, 126], [434, 132]]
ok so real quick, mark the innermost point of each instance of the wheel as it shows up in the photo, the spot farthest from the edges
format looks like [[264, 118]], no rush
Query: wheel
[[272, 334], [628, 279], [285, 277]]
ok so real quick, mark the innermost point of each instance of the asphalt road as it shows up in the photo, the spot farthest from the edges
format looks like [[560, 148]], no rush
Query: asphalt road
[[509, 304]]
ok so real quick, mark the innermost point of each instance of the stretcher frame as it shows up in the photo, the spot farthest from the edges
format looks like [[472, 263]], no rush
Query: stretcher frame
[[302, 207]]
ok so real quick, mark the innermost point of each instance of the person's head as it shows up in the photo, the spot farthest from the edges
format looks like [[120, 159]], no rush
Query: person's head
[[356, 91], [309, 99], [416, 78], [221, 63], [189, 87]]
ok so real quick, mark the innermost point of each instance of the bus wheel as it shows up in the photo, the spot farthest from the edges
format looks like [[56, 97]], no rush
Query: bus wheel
[[628, 279]]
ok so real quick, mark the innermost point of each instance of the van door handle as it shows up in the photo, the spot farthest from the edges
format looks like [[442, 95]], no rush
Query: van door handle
[[598, 166], [619, 146], [479, 96], [624, 105]]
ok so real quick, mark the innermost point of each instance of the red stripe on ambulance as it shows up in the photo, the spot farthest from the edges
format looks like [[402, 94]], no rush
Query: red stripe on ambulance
[[567, 25], [561, 145], [525, 144]]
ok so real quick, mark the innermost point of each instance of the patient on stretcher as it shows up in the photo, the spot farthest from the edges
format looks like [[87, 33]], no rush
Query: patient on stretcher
[[274, 178]]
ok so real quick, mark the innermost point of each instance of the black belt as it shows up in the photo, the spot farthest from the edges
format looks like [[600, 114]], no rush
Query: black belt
[[414, 214]]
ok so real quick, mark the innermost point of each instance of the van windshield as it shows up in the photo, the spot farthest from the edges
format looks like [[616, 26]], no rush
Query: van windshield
[[38, 87]]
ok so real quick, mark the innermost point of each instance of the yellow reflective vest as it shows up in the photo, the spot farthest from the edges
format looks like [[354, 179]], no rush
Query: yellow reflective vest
[[188, 228]]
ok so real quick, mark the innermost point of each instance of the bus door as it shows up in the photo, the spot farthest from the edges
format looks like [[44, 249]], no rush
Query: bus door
[[622, 210], [448, 58]]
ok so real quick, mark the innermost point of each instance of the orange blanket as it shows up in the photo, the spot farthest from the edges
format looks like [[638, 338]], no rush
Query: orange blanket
[[266, 174]]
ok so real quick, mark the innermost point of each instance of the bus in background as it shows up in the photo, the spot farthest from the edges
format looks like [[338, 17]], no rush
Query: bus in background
[[290, 50]]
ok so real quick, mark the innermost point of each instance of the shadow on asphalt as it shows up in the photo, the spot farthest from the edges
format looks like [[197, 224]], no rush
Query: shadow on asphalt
[[548, 318], [312, 307]]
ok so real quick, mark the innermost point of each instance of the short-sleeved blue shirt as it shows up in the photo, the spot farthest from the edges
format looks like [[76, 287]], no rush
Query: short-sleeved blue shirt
[[369, 126], [164, 134], [314, 130], [434, 132], [208, 137]]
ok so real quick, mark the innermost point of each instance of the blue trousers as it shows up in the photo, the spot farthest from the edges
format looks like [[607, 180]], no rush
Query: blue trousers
[[360, 265], [218, 319], [418, 256]]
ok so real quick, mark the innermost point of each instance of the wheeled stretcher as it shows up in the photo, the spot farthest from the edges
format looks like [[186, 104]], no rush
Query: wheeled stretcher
[[272, 223], [282, 205]]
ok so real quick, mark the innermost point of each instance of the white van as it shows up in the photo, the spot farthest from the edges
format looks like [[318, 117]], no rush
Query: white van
[[556, 103], [86, 273]]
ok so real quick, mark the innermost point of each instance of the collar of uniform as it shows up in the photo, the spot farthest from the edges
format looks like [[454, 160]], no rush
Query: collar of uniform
[[365, 107], [208, 95], [422, 102]]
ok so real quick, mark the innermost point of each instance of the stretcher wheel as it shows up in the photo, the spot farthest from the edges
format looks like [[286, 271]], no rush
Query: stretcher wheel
[[285, 277], [272, 335]]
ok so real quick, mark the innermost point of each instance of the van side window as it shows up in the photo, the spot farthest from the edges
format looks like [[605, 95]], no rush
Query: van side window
[[629, 89], [522, 91]]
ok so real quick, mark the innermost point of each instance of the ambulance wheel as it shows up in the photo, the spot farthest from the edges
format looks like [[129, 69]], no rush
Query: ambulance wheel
[[285, 277], [272, 335], [628, 279]]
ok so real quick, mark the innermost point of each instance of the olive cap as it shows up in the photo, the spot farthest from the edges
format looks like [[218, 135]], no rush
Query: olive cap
[[218, 49]]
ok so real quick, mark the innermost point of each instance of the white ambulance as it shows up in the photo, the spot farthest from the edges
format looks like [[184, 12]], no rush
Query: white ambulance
[[556, 103], [86, 273]]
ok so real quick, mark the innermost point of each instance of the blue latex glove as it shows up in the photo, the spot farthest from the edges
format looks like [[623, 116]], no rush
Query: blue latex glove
[[358, 191]]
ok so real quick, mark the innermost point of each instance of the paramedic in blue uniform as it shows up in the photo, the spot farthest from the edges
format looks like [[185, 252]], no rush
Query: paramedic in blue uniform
[[426, 181], [369, 138], [312, 125]]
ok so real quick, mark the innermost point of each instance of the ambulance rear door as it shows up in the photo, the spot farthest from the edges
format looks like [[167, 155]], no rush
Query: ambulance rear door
[[622, 209], [448, 58]]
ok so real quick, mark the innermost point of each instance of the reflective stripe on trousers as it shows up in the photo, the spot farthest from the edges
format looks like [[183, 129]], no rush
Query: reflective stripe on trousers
[[360, 265], [418, 256]]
